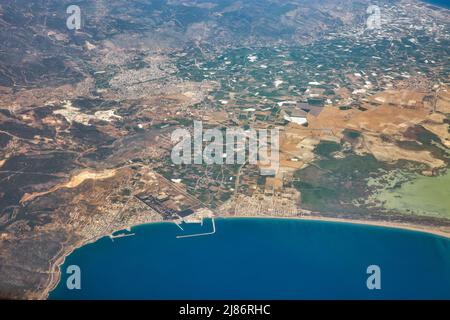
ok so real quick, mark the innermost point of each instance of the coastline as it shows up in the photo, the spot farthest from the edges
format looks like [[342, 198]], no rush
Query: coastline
[[55, 270], [376, 223]]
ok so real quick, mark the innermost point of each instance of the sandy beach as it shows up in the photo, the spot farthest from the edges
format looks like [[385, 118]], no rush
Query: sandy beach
[[418, 228]]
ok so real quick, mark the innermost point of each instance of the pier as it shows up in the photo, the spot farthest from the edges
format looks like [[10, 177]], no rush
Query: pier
[[122, 235], [201, 234]]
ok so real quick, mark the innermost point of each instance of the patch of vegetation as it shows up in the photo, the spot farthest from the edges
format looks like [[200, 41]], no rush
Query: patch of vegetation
[[334, 184], [352, 134], [427, 141], [314, 196], [261, 180], [427, 137], [326, 148]]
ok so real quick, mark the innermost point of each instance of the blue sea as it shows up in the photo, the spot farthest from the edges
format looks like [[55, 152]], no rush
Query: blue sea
[[439, 3], [252, 258]]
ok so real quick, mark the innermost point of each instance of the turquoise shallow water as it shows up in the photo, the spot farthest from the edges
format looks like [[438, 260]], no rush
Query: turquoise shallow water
[[262, 259]]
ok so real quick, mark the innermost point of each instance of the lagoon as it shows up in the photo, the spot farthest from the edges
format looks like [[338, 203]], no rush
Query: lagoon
[[421, 195]]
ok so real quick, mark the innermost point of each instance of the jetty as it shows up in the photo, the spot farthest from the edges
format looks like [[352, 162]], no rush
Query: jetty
[[200, 234], [122, 235]]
